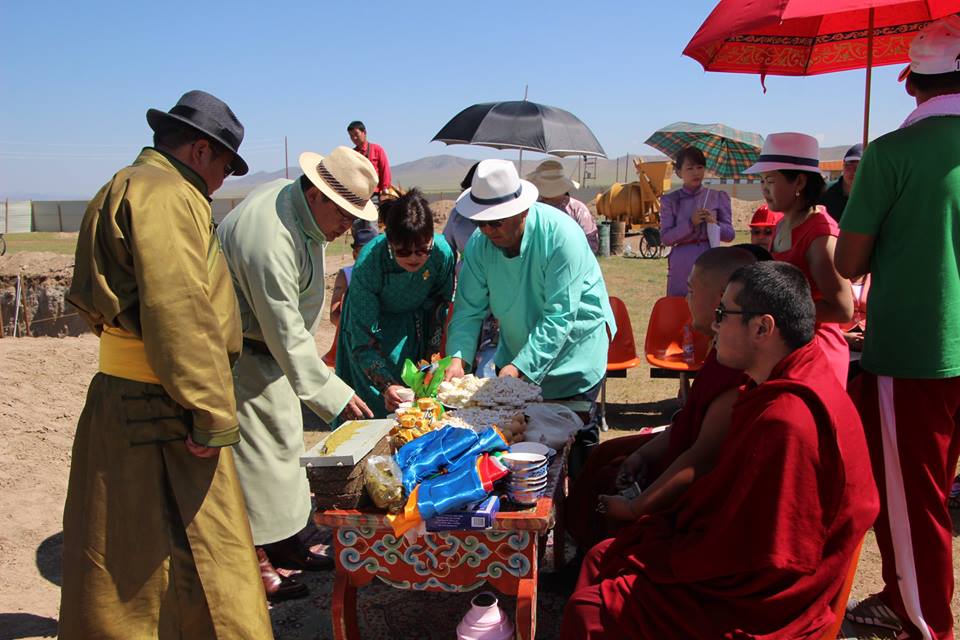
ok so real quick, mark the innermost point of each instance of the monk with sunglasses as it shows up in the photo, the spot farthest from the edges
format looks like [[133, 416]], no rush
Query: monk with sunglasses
[[396, 306]]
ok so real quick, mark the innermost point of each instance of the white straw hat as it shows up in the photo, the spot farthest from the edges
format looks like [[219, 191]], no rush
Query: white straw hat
[[792, 151], [344, 176], [496, 192], [550, 180], [936, 49]]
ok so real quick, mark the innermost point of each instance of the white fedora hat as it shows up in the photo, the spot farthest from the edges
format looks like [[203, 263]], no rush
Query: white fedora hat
[[550, 180], [344, 176], [496, 192], [793, 151], [936, 49]]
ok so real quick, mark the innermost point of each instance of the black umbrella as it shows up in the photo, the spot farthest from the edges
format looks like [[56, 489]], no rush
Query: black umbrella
[[523, 125]]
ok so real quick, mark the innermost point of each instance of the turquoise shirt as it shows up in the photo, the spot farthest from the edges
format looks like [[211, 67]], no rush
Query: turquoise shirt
[[550, 300]]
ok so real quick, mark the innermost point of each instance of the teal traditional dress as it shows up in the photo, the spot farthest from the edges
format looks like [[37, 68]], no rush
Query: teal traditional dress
[[389, 315]]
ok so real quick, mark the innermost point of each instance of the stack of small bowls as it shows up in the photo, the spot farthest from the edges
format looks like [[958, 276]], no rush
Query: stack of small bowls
[[527, 480]]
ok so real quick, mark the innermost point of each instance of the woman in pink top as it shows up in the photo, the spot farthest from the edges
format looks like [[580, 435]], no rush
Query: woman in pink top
[[806, 236]]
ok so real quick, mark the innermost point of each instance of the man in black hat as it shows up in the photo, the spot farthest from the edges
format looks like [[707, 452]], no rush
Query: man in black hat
[[835, 197], [156, 541]]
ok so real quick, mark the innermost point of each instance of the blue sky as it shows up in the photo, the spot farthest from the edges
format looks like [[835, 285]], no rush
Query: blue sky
[[77, 78]]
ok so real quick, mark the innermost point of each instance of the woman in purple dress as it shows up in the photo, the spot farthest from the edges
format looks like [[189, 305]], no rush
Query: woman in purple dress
[[684, 216]]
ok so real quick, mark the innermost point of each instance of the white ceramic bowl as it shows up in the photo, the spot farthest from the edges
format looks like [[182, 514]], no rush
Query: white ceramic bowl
[[523, 461], [533, 447]]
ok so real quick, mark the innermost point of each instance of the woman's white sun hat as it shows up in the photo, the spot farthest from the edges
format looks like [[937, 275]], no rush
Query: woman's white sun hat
[[496, 192], [792, 151], [550, 180], [344, 176]]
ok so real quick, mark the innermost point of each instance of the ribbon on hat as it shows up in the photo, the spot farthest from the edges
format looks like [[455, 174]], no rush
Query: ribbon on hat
[[498, 199], [772, 157], [339, 187], [200, 120]]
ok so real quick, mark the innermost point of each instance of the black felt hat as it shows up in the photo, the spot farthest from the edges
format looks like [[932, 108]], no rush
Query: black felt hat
[[209, 115]]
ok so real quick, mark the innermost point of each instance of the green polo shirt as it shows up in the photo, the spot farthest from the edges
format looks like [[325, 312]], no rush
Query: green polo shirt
[[907, 195]]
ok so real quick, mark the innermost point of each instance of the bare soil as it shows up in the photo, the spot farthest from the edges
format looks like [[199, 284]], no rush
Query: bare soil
[[44, 382]]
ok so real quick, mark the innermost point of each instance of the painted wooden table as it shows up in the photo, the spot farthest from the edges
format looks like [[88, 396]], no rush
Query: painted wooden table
[[505, 556]]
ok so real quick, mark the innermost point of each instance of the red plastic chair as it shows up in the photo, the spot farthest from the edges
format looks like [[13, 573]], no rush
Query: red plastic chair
[[622, 354], [663, 345]]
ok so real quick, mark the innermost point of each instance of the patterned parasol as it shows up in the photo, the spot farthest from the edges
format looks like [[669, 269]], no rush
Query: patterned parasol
[[809, 37], [728, 151]]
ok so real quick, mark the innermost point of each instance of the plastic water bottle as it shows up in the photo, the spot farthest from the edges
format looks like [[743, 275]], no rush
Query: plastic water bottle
[[689, 350]]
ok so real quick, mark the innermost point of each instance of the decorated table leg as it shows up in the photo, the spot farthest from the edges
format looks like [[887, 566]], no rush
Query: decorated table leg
[[343, 608], [526, 614]]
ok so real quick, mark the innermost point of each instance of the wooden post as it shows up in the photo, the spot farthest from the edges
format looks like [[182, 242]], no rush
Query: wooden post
[[26, 311], [60, 217]]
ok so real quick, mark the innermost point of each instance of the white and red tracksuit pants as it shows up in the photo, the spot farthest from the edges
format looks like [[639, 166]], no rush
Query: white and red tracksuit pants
[[913, 433]]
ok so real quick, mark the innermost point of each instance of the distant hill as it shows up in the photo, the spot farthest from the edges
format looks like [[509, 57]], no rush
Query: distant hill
[[443, 173]]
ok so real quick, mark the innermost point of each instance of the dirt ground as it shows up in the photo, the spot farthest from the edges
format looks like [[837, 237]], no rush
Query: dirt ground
[[44, 383]]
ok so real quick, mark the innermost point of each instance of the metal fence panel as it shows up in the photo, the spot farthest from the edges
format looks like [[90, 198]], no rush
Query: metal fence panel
[[62, 215], [16, 217]]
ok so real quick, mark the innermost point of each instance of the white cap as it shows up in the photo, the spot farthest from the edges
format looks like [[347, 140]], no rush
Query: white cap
[[936, 49]]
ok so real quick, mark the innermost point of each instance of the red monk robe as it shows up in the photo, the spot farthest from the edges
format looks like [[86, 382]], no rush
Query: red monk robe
[[600, 473], [758, 547]]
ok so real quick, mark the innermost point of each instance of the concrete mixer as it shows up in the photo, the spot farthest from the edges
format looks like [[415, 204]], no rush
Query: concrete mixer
[[635, 206]]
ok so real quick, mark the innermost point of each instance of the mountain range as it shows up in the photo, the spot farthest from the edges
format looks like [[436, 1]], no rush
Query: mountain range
[[443, 173]]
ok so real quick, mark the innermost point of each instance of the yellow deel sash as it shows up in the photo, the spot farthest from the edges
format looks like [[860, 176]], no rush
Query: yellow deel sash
[[123, 355]]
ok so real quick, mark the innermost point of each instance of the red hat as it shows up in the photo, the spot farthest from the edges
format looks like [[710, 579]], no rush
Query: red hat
[[763, 217]]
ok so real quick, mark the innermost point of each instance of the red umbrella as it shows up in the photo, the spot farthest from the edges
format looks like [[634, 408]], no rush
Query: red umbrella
[[809, 37]]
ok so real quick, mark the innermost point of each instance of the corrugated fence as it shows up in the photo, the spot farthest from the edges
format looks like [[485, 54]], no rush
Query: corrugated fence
[[24, 216]]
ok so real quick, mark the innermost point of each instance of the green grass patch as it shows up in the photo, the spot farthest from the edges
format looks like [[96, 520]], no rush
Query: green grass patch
[[55, 242], [66, 243]]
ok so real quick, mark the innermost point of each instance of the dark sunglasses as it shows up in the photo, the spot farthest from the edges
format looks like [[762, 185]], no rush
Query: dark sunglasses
[[721, 312], [406, 253], [764, 231], [228, 170], [493, 224]]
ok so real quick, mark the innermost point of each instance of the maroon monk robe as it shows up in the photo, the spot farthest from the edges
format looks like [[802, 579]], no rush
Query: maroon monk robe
[[758, 547], [599, 475]]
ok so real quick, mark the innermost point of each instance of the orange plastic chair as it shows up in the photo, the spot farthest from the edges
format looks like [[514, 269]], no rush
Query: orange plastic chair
[[664, 342], [622, 354], [839, 603]]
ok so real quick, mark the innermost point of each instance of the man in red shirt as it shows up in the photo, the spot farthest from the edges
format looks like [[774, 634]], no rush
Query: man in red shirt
[[372, 152], [760, 546]]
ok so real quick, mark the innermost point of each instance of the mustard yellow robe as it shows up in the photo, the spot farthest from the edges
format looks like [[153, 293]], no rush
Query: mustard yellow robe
[[156, 542]]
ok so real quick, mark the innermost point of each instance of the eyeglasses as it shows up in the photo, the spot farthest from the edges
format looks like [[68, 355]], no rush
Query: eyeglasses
[[406, 253], [763, 231], [228, 170], [345, 218], [493, 224], [721, 312]]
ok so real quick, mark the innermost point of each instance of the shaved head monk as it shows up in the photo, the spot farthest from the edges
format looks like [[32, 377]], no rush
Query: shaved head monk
[[759, 546], [664, 465]]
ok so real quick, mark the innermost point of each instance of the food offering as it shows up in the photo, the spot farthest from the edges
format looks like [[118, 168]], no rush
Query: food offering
[[471, 391], [417, 420]]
